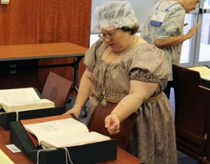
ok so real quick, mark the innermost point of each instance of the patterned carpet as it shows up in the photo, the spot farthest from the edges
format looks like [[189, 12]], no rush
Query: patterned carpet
[[184, 159]]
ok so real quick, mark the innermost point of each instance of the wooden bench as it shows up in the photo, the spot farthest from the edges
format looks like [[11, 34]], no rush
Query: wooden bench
[[205, 97], [189, 112]]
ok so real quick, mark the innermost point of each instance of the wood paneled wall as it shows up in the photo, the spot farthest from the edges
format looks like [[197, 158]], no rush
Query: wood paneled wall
[[46, 21]]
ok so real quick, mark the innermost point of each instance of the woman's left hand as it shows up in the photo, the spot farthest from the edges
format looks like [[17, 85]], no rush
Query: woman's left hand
[[112, 123]]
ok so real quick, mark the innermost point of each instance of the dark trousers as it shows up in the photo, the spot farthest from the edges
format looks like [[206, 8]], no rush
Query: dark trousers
[[168, 88]]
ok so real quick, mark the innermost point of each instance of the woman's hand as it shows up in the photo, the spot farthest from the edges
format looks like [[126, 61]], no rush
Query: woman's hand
[[192, 31], [112, 123], [75, 111]]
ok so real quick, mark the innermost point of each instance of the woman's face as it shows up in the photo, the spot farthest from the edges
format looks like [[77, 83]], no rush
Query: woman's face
[[116, 39], [190, 5]]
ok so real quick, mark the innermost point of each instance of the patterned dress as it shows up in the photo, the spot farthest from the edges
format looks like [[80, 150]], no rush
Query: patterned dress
[[153, 137], [173, 25]]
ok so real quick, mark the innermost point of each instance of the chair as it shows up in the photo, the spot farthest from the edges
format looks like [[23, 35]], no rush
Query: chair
[[189, 112], [97, 124], [56, 89], [205, 97]]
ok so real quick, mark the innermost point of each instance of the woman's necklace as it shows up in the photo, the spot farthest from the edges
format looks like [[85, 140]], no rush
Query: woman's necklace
[[128, 47], [132, 43]]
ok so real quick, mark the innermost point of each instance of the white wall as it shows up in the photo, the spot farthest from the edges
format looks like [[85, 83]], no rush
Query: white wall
[[141, 8]]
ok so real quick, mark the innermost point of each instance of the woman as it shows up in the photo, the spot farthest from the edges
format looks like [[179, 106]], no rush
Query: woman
[[122, 66], [169, 35]]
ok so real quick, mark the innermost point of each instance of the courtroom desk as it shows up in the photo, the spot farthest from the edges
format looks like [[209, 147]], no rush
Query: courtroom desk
[[21, 59], [20, 158]]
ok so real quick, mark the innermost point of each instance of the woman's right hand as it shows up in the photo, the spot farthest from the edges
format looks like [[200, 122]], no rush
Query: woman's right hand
[[75, 110], [112, 124], [191, 32]]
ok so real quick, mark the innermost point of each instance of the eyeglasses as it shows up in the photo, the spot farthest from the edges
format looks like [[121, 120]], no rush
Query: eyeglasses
[[109, 35]]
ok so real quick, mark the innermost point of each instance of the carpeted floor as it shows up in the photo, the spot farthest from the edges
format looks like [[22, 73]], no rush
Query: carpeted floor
[[182, 158]]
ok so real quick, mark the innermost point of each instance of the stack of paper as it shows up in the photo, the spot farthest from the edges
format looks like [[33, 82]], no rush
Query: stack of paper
[[21, 99], [203, 70], [4, 159]]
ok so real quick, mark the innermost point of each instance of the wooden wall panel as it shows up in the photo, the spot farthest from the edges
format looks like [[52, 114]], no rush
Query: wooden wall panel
[[49, 32], [81, 15], [61, 21], [18, 22], [47, 21], [64, 20]]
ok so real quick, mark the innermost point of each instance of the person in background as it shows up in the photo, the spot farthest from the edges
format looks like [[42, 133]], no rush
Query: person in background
[[124, 68], [164, 27]]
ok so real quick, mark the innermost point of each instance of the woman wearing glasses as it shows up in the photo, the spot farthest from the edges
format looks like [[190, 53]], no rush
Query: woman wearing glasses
[[122, 66]]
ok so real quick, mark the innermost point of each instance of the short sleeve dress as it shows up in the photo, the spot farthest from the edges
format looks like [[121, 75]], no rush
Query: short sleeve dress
[[153, 137]]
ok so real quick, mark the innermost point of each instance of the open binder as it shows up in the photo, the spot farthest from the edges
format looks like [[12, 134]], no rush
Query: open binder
[[6, 118], [88, 153]]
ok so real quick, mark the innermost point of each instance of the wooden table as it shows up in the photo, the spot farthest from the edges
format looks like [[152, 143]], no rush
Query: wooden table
[[20, 158], [40, 51], [28, 53]]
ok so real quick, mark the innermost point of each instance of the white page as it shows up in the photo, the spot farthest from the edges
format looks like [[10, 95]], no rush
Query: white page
[[18, 95], [75, 140], [51, 129], [27, 105], [4, 159], [205, 78], [203, 70]]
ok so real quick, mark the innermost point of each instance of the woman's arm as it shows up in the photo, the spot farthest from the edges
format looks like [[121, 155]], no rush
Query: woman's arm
[[175, 40], [139, 92], [83, 93]]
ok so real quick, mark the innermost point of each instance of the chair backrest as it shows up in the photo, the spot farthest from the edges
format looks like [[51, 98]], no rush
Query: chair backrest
[[205, 97], [189, 113], [97, 124], [187, 101], [56, 89]]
